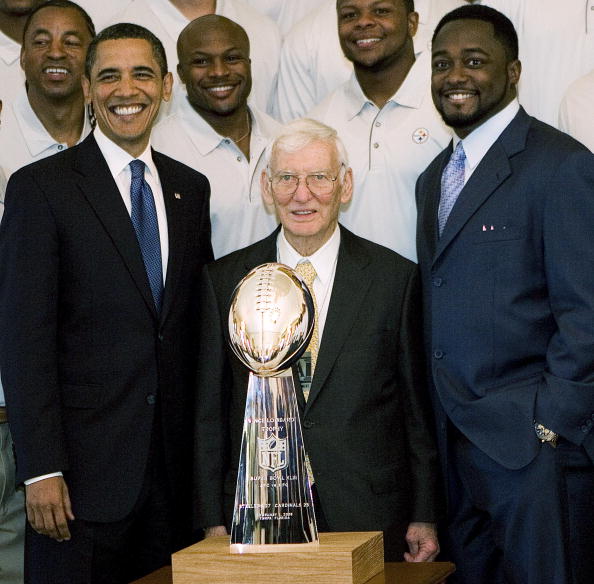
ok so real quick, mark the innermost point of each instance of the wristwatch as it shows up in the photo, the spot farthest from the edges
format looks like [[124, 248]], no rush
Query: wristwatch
[[546, 435]]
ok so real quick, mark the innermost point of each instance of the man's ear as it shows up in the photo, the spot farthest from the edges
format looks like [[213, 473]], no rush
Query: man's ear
[[514, 70], [266, 189], [86, 87], [347, 186]]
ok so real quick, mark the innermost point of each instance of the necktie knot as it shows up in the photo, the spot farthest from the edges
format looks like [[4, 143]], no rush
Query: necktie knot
[[307, 272], [137, 169]]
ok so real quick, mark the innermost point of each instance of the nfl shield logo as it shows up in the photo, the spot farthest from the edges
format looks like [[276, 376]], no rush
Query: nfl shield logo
[[272, 453]]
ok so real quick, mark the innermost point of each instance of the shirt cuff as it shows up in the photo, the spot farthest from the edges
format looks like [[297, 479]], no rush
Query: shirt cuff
[[43, 477]]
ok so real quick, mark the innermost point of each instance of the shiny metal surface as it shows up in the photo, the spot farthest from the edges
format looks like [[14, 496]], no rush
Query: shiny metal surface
[[271, 318]]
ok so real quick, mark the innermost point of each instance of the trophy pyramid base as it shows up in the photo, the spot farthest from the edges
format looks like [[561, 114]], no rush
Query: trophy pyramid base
[[340, 558]]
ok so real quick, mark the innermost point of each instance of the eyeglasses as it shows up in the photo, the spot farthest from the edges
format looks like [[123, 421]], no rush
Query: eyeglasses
[[319, 183]]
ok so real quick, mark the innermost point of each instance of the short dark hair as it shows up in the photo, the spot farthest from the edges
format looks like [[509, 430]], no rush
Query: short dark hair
[[503, 28], [408, 4], [126, 30], [60, 4]]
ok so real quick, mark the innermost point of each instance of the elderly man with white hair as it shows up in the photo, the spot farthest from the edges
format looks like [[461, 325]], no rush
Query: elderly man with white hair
[[360, 386]]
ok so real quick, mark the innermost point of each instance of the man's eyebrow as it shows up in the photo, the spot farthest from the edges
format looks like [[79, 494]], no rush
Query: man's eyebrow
[[443, 52]]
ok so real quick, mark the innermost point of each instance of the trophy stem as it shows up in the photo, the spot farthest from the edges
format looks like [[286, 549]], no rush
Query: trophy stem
[[273, 501]]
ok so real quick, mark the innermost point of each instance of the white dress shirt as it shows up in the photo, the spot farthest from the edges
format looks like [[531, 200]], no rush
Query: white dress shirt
[[24, 138], [238, 214], [166, 22], [556, 48], [388, 149], [312, 63], [576, 114], [324, 263], [11, 75], [478, 142], [118, 161]]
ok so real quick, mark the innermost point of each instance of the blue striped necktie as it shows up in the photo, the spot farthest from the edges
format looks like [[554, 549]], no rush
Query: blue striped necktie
[[144, 219]]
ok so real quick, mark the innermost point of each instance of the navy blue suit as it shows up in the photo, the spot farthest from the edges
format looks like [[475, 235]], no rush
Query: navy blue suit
[[509, 329]]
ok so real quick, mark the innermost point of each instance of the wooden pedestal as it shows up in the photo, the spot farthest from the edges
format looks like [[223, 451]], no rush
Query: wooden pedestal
[[341, 558]]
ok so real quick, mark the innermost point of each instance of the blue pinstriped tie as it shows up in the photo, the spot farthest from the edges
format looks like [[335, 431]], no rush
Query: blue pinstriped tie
[[452, 182], [144, 219]]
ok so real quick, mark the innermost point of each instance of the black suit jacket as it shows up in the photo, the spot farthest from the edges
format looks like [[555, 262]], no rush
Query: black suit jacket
[[509, 293], [366, 423], [88, 365]]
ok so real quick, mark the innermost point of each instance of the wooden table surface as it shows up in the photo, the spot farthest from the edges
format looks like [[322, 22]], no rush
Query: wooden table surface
[[394, 573]]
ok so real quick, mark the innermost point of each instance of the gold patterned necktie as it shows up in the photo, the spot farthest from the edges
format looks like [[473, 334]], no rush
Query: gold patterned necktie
[[308, 273]]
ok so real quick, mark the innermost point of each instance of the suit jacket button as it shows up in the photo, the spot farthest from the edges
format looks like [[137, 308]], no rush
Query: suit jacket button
[[160, 337], [308, 424], [585, 429], [437, 282], [437, 354], [151, 399], [589, 423]]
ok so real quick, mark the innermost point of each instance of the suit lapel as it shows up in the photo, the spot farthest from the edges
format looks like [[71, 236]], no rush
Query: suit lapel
[[349, 290], [490, 173], [429, 207], [98, 187], [173, 195]]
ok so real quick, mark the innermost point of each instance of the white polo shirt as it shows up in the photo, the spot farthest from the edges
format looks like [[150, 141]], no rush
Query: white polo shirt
[[11, 75], [166, 22], [388, 149], [556, 47], [312, 63], [238, 214], [286, 13], [576, 114], [24, 139]]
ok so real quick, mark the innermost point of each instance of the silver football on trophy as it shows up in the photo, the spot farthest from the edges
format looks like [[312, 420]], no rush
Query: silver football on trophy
[[271, 319]]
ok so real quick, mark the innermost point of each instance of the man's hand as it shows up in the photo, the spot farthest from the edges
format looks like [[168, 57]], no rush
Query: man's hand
[[215, 531], [422, 542], [48, 508]]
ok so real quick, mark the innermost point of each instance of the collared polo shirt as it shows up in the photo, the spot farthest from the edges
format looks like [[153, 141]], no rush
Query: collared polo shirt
[[388, 149], [238, 214]]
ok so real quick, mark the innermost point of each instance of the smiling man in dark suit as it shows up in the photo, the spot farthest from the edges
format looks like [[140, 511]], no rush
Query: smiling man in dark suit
[[100, 252], [364, 412], [506, 253]]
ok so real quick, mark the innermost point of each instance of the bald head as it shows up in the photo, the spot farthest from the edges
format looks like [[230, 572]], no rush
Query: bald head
[[209, 27], [214, 64]]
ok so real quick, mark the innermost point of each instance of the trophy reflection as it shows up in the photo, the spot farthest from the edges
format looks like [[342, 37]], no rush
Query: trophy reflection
[[271, 320]]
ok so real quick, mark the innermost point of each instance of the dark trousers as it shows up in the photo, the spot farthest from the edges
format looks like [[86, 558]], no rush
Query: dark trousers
[[109, 553], [525, 526]]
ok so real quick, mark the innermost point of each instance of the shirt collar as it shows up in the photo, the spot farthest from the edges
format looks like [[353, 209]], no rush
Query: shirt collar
[[10, 50], [205, 137], [36, 137], [118, 159], [411, 92], [322, 260], [478, 142]]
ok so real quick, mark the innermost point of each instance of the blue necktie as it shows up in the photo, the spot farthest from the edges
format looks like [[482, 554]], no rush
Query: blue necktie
[[144, 219], [452, 182]]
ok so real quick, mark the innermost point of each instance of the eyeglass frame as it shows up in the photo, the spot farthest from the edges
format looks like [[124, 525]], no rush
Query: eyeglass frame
[[300, 176]]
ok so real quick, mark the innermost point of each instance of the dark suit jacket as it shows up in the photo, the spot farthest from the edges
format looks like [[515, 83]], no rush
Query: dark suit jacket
[[366, 424], [87, 364], [509, 293]]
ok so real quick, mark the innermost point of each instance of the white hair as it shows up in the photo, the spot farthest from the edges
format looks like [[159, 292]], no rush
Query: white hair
[[301, 133]]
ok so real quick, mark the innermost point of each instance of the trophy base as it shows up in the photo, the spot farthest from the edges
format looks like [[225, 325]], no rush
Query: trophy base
[[339, 558], [267, 548]]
